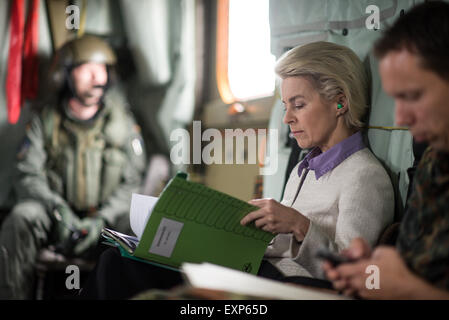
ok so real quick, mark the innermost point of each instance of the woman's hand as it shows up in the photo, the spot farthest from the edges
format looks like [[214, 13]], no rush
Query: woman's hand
[[277, 218]]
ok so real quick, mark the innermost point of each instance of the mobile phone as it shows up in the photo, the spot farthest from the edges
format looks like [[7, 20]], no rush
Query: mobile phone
[[334, 258]]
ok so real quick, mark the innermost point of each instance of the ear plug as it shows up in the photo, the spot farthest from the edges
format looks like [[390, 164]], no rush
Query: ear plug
[[339, 106]]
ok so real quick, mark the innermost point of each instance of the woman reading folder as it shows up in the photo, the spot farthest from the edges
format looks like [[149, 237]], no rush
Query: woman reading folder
[[338, 192]]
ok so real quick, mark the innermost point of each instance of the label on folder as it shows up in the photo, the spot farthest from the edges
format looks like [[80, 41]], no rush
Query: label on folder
[[166, 236]]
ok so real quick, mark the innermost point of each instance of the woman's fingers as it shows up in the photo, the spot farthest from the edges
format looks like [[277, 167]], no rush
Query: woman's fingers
[[255, 215], [259, 202]]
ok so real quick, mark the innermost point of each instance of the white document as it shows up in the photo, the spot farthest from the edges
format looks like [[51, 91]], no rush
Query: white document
[[141, 208], [211, 276]]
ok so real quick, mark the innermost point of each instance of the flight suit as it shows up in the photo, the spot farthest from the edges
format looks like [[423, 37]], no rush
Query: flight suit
[[91, 167]]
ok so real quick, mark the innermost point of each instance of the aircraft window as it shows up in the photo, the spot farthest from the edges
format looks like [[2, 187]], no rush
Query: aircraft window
[[249, 72]]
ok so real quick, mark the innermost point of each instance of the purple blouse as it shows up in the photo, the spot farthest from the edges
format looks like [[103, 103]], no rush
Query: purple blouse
[[323, 162]]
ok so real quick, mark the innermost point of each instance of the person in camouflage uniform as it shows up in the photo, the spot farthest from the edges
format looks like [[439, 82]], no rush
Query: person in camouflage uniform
[[423, 240], [415, 71], [80, 162]]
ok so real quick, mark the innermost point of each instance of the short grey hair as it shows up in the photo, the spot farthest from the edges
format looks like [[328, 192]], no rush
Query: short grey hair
[[333, 70]]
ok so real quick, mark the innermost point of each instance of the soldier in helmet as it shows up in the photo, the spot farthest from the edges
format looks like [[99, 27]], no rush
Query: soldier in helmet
[[82, 158]]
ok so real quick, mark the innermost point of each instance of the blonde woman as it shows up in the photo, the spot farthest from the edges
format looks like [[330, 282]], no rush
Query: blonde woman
[[340, 190]]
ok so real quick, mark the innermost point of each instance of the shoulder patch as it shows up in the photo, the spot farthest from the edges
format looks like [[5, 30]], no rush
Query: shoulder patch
[[137, 146]]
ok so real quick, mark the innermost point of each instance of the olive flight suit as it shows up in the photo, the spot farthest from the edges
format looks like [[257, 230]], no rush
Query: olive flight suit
[[91, 167]]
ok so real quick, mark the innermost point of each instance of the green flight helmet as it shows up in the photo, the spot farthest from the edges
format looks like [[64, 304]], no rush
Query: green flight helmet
[[87, 48]]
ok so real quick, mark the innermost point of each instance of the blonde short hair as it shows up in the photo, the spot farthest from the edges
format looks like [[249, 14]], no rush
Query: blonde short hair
[[333, 70]]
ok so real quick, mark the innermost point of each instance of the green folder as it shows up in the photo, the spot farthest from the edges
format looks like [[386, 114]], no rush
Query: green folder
[[194, 223]]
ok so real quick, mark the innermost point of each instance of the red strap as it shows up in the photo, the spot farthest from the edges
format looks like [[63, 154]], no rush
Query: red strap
[[14, 76], [30, 59]]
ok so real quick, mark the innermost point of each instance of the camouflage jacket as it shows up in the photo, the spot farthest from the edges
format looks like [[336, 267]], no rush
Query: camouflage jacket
[[423, 239], [93, 167]]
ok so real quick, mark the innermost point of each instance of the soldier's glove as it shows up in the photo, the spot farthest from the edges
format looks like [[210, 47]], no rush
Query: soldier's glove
[[66, 223], [91, 228]]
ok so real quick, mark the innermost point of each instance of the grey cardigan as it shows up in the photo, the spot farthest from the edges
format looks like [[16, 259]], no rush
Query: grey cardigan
[[355, 199]]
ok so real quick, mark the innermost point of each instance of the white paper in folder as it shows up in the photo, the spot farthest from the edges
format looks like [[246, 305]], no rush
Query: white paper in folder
[[141, 208]]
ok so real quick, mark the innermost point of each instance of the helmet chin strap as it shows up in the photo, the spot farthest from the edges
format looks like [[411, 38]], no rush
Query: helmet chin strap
[[82, 101]]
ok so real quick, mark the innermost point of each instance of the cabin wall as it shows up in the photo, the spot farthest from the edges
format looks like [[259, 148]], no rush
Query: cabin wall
[[167, 51], [158, 84], [12, 135]]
